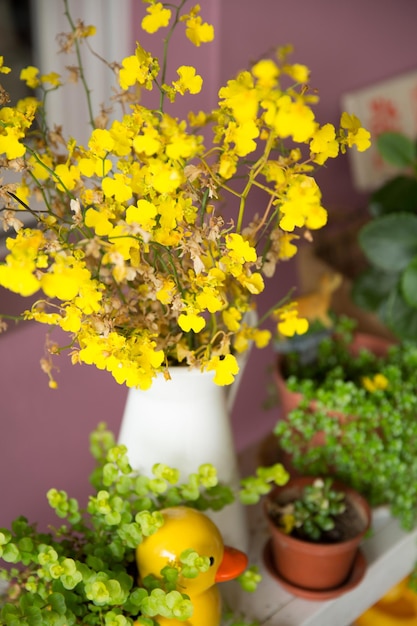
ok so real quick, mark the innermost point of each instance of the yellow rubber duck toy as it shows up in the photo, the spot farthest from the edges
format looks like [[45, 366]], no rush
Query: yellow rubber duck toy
[[186, 528]]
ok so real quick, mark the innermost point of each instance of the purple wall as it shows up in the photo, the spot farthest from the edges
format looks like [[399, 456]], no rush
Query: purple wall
[[347, 45]]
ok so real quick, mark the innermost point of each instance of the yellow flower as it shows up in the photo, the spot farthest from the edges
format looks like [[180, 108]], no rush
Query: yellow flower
[[286, 248], [356, 135], [163, 177], [240, 249], [227, 165], [266, 72], [93, 166], [140, 68], [324, 144], [30, 76], [287, 523], [210, 299], [18, 272], [3, 68], [158, 18], [302, 205], [39, 315], [10, 144], [291, 119], [41, 166], [225, 368], [188, 81], [99, 220], [261, 337], [101, 142], [67, 176], [65, 277], [122, 138], [23, 193], [290, 324], [117, 187], [144, 214], [232, 318], [53, 78], [377, 382], [298, 72], [191, 321], [240, 96], [71, 322], [254, 283], [166, 292], [18, 278], [196, 30], [149, 142], [243, 136], [86, 31], [89, 297]]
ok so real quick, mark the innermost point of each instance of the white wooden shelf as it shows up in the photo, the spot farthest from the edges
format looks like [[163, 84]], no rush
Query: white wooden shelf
[[390, 554]]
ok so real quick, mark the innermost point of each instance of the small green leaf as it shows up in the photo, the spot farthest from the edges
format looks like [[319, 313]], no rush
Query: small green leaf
[[208, 475], [166, 473], [5, 536], [401, 318], [409, 283], [57, 603], [137, 596], [397, 194], [11, 553], [250, 579], [144, 621], [372, 288], [149, 522], [110, 474], [396, 149], [390, 242]]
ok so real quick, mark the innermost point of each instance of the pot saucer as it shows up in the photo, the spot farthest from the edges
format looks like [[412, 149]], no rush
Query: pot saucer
[[355, 577]]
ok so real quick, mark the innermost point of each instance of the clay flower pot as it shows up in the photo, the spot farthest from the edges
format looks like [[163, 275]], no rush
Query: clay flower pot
[[311, 565], [290, 400]]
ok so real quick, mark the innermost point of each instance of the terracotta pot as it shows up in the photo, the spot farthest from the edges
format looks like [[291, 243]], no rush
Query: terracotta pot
[[308, 565], [289, 400]]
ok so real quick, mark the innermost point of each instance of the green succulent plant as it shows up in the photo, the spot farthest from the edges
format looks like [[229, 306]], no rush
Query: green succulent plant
[[315, 511], [389, 241]]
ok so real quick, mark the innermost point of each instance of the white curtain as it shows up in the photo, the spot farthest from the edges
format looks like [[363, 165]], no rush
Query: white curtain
[[113, 41]]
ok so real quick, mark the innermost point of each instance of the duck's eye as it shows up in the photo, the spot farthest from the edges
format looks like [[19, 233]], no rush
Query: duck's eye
[[211, 561]]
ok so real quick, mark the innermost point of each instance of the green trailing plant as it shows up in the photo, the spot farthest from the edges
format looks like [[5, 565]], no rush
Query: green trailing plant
[[314, 512], [389, 240], [84, 572], [356, 421]]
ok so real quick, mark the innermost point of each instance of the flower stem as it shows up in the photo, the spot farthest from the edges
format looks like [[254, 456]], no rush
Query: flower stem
[[255, 170], [87, 90]]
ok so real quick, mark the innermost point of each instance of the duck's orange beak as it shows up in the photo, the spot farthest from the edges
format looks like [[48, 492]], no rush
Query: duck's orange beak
[[233, 564]]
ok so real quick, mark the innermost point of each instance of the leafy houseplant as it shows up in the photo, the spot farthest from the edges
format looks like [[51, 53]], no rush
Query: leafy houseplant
[[312, 516], [389, 242], [355, 420], [84, 571], [316, 526], [129, 252]]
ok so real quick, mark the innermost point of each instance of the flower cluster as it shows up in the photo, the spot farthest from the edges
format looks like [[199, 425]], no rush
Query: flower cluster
[[130, 253]]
